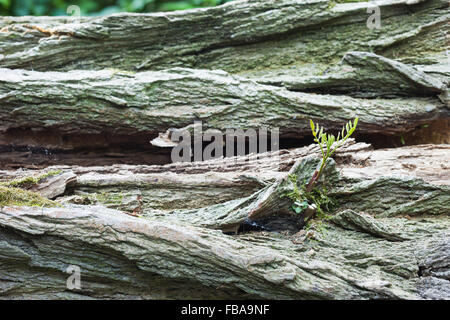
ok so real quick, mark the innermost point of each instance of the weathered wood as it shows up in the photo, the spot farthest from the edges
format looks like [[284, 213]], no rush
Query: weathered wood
[[55, 185], [363, 74], [406, 60], [359, 263], [386, 195], [236, 37], [173, 186], [339, 264], [91, 102], [246, 64], [244, 174]]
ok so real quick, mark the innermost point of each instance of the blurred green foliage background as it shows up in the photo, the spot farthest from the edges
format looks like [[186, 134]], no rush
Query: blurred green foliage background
[[91, 7]]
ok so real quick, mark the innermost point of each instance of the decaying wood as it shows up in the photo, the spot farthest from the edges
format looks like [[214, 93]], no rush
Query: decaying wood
[[54, 186], [171, 187], [152, 102], [354, 258], [345, 261], [395, 80], [242, 36], [225, 228]]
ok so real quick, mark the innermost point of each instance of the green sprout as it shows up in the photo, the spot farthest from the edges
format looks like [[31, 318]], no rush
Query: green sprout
[[328, 144]]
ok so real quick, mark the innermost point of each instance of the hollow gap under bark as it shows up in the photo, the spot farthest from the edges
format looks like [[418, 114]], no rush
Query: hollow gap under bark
[[285, 224], [38, 149]]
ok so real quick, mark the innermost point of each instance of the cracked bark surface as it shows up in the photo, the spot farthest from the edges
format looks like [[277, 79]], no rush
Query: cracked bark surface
[[228, 37], [151, 102], [394, 78], [102, 87], [357, 256]]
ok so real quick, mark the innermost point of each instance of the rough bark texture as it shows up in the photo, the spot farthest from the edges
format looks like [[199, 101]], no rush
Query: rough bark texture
[[394, 78], [356, 256], [143, 258], [152, 102], [96, 90], [232, 37]]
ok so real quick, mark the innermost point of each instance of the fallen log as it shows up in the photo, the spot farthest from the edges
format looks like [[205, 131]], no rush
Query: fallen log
[[152, 102], [242, 36], [356, 256], [169, 250], [225, 228], [171, 187], [363, 74], [396, 81]]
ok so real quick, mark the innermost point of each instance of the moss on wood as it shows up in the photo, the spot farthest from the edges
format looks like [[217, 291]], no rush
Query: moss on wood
[[28, 182], [10, 196]]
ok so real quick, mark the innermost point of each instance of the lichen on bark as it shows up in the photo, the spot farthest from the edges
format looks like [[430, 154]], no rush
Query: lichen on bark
[[224, 228]]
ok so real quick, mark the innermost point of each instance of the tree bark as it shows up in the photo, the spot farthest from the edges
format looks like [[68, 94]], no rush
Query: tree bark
[[286, 54], [242, 36], [225, 228], [356, 256], [153, 102]]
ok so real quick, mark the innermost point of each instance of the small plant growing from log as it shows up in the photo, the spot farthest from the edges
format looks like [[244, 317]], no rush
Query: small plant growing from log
[[309, 194], [328, 145], [301, 199]]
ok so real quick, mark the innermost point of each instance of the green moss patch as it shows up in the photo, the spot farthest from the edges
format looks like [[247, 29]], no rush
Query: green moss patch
[[28, 182], [10, 196]]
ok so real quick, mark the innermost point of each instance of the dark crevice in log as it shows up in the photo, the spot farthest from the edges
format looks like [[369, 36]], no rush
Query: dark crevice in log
[[436, 132], [278, 223], [58, 141], [31, 149], [140, 226], [351, 92], [38, 149], [420, 272]]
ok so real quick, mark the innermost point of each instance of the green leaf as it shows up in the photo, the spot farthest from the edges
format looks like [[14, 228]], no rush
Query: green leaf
[[5, 3], [329, 141], [299, 206], [332, 139], [325, 140]]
